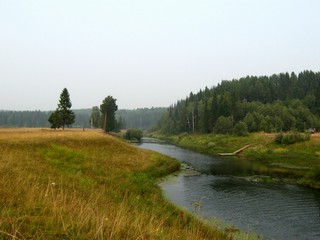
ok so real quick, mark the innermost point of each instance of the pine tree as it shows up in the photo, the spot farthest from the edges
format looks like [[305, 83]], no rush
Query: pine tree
[[108, 109], [63, 116]]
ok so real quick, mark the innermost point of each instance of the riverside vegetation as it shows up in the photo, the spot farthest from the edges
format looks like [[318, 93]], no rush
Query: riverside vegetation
[[76, 184], [296, 158], [208, 121]]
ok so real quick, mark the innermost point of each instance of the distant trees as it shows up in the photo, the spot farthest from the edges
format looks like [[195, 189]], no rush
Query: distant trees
[[120, 124], [95, 118], [39, 118], [24, 118], [108, 109], [63, 115], [141, 118], [280, 102]]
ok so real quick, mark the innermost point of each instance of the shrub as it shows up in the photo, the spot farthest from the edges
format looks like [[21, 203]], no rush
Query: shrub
[[291, 138], [134, 134], [241, 129], [278, 138], [224, 125]]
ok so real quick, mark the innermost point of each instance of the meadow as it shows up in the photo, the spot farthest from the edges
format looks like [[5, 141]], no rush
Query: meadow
[[77, 184]]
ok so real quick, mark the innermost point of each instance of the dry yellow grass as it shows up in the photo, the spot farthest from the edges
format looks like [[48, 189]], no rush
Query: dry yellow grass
[[76, 184]]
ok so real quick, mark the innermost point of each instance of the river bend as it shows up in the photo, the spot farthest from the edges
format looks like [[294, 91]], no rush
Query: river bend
[[222, 190]]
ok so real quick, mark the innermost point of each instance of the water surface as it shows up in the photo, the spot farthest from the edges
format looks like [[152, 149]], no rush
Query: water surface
[[221, 190]]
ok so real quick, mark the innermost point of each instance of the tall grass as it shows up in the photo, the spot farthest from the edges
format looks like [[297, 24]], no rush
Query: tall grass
[[86, 185]]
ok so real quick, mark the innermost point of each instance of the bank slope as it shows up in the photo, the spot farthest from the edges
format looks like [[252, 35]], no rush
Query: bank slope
[[86, 185]]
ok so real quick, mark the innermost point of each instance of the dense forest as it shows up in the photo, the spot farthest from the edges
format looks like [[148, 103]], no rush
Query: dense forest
[[143, 118], [24, 119], [274, 103], [39, 118]]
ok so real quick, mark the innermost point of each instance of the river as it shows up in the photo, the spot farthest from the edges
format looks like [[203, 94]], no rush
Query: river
[[222, 189]]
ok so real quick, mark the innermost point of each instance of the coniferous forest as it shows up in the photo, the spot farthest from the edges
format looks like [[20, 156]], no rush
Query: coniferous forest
[[274, 103], [39, 118], [143, 119]]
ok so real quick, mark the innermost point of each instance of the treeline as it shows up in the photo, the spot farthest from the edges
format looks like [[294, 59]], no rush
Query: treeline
[[24, 119], [280, 102], [141, 118], [144, 118], [39, 118]]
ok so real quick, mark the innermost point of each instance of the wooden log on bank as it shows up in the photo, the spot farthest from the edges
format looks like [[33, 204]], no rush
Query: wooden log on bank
[[235, 152]]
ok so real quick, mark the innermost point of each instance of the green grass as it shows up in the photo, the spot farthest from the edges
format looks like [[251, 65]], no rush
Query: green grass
[[87, 185]]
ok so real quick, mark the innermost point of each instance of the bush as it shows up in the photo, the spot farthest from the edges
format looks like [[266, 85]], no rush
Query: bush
[[278, 138], [241, 129], [134, 134], [291, 138], [224, 125]]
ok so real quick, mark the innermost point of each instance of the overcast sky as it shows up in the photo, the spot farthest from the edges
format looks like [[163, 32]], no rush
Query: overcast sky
[[146, 53]]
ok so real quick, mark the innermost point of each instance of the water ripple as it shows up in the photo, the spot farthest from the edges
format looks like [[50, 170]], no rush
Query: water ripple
[[275, 211]]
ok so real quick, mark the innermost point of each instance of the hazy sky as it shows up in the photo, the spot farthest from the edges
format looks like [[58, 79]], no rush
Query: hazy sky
[[146, 53]]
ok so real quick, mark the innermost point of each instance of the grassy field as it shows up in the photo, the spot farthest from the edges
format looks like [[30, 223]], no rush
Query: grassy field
[[300, 160], [76, 184]]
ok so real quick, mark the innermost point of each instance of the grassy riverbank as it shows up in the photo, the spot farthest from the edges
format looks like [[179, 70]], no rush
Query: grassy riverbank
[[300, 161], [76, 184]]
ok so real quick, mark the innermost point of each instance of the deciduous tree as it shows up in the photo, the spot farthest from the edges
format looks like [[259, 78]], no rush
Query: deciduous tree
[[95, 119]]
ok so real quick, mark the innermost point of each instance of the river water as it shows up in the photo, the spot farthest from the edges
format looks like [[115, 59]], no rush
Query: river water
[[223, 190]]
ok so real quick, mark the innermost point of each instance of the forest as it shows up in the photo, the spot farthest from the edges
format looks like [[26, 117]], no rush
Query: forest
[[141, 118], [281, 102], [39, 118]]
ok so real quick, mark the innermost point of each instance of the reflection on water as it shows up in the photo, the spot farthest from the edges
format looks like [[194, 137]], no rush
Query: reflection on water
[[275, 211]]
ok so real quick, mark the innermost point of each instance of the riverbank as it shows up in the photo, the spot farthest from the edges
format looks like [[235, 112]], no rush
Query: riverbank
[[299, 162], [77, 184], [219, 187]]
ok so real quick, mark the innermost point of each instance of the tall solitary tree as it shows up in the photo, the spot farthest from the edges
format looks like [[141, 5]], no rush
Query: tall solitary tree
[[108, 109], [63, 115]]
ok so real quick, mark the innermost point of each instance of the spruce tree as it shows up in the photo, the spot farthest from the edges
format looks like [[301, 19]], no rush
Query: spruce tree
[[63, 116], [108, 109]]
